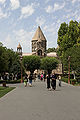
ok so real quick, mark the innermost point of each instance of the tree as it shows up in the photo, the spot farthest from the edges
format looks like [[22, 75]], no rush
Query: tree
[[9, 60], [13, 58], [61, 32], [68, 36], [31, 63], [69, 42], [4, 60], [78, 73], [16, 67], [49, 63], [51, 50], [74, 53]]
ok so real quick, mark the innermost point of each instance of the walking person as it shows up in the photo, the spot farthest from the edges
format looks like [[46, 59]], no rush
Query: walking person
[[30, 80], [44, 77], [26, 80], [53, 82], [41, 77], [48, 82], [59, 80]]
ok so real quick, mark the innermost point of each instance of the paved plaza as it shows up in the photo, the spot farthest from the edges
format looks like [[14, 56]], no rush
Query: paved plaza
[[37, 103]]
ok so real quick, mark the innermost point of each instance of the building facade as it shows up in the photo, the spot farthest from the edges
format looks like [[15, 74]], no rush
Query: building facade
[[39, 43], [39, 47]]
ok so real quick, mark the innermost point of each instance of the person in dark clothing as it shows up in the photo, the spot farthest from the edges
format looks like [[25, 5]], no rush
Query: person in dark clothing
[[53, 82], [44, 77], [48, 81], [39, 76], [30, 80]]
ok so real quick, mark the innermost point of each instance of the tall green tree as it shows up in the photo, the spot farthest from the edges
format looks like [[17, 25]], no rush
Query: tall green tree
[[68, 36], [13, 57], [49, 63], [4, 60], [74, 53], [31, 63]]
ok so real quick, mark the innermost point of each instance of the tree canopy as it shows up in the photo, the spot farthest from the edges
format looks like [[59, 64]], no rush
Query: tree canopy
[[7, 60], [74, 53], [4, 60], [31, 63], [69, 45], [68, 36], [49, 63], [51, 50]]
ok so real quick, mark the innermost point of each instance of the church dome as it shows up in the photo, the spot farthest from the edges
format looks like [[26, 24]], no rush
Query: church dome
[[38, 35]]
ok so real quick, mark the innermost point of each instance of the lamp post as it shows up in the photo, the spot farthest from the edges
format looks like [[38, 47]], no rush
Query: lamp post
[[21, 69], [69, 70]]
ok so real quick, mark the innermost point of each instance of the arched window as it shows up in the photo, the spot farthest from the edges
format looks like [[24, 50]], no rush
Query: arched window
[[40, 52]]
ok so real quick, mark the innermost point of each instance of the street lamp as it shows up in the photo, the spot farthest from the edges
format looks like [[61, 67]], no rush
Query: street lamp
[[19, 51], [21, 69], [69, 70]]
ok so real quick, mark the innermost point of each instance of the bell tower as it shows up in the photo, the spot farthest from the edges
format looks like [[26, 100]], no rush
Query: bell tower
[[19, 49], [39, 43]]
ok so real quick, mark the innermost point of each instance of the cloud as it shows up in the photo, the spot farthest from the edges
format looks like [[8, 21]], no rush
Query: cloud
[[46, 1], [2, 1], [40, 20], [15, 4], [51, 34], [73, 1], [27, 11], [50, 29], [8, 42], [78, 18], [49, 9], [24, 38], [57, 6], [2, 14], [71, 15]]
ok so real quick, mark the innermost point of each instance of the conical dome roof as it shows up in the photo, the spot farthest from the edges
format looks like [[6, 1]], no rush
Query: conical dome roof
[[19, 46], [39, 35]]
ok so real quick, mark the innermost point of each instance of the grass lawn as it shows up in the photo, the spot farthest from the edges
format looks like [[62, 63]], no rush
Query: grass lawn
[[5, 90]]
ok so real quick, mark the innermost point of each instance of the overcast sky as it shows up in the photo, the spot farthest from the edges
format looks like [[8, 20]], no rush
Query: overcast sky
[[19, 20]]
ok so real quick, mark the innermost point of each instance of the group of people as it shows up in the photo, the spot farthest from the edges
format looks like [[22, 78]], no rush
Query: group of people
[[42, 76], [51, 81], [28, 78]]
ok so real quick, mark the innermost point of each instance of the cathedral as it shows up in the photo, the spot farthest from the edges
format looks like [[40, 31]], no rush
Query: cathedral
[[39, 43], [39, 48]]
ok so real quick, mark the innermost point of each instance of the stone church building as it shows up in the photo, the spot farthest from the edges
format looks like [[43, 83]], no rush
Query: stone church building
[[39, 44]]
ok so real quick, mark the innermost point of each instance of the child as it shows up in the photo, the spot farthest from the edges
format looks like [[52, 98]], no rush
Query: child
[[25, 81]]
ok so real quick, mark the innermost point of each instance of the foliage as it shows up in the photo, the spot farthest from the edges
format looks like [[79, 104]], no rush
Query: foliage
[[51, 50], [62, 31], [78, 73], [15, 68], [31, 63], [12, 58], [49, 63], [69, 45], [72, 81], [68, 36], [74, 54], [9, 60], [4, 60]]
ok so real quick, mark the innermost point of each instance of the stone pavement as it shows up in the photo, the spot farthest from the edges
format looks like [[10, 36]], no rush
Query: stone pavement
[[37, 103]]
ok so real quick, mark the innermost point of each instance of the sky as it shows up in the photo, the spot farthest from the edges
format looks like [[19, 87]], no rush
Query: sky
[[19, 20]]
